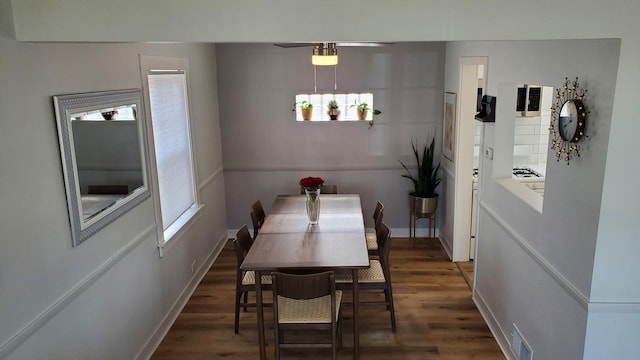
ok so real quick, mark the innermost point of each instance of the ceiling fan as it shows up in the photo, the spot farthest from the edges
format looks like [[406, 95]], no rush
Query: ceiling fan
[[326, 53], [335, 44]]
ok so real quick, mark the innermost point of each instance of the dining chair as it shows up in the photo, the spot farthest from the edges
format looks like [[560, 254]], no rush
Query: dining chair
[[376, 277], [306, 302], [245, 280], [371, 236], [329, 189], [257, 217]]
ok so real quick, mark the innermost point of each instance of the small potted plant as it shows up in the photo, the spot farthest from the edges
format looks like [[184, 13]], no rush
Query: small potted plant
[[306, 109], [362, 110], [333, 110], [424, 199]]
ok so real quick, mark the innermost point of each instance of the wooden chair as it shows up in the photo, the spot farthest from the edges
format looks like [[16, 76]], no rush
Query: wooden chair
[[245, 280], [329, 189], [324, 189], [257, 217], [372, 242], [306, 302], [376, 277]]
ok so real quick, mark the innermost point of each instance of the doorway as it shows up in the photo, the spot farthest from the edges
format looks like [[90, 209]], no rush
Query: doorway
[[473, 80]]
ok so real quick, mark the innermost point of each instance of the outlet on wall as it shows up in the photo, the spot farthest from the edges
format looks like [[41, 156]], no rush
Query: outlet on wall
[[488, 153], [193, 265], [519, 346]]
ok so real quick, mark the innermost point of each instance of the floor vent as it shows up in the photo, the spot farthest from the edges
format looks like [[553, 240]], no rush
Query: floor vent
[[519, 346]]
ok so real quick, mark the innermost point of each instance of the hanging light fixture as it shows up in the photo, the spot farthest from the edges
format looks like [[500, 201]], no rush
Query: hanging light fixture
[[324, 54]]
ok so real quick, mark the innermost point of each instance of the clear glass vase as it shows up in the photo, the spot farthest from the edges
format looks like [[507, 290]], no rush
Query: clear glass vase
[[313, 205]]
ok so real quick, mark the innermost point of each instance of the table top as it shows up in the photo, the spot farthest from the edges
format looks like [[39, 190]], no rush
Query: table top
[[286, 240]]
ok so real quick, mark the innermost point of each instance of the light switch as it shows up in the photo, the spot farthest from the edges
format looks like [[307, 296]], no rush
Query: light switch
[[488, 153]]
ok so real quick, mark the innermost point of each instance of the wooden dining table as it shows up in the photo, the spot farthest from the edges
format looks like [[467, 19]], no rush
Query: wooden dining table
[[287, 241]]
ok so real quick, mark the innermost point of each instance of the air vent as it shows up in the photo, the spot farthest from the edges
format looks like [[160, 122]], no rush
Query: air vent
[[519, 345]]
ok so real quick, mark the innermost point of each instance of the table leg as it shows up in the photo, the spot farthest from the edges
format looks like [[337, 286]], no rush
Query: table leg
[[263, 350], [356, 315]]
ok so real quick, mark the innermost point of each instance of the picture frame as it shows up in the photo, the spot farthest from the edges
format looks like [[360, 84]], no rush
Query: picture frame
[[449, 126]]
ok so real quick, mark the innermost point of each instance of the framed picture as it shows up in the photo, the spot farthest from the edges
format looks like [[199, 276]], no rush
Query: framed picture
[[449, 125]]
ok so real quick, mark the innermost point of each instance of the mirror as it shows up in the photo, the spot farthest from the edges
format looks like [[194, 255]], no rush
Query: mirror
[[102, 145]]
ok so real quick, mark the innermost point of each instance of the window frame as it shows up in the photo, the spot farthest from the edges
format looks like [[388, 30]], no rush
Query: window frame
[[158, 65]]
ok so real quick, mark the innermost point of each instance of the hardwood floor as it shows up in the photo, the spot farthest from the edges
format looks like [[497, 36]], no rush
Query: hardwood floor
[[436, 317]]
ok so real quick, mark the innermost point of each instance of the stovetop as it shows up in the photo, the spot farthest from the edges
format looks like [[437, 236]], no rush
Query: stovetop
[[518, 172], [526, 172]]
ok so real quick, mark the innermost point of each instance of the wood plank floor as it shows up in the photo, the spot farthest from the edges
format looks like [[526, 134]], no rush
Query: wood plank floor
[[436, 317]]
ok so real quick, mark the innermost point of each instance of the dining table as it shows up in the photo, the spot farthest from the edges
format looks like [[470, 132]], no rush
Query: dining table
[[286, 241]]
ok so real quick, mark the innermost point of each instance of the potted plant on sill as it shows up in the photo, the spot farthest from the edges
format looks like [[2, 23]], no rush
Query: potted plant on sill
[[362, 110], [306, 109], [333, 110], [424, 199]]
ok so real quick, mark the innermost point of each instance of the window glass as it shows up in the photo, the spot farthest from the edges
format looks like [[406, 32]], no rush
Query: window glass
[[347, 106]]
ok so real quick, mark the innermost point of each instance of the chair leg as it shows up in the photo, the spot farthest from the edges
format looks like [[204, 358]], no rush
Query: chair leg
[[236, 324], [276, 340], [392, 310], [246, 297]]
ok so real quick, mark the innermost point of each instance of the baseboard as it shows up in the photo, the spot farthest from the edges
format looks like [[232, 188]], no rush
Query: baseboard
[[494, 327], [163, 328]]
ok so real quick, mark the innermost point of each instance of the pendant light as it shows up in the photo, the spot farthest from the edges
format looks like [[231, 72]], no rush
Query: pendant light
[[325, 54]]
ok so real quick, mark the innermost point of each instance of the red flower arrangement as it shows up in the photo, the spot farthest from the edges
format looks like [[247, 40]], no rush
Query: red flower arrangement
[[311, 182]]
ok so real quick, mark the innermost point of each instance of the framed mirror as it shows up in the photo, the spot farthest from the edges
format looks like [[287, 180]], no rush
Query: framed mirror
[[104, 157]]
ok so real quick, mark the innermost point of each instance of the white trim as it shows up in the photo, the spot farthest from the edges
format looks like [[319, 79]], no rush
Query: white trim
[[163, 327], [179, 228], [613, 308], [44, 317], [314, 168], [564, 283], [219, 171]]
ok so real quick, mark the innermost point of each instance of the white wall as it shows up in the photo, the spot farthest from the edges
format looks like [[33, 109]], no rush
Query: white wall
[[106, 298], [266, 151], [518, 247]]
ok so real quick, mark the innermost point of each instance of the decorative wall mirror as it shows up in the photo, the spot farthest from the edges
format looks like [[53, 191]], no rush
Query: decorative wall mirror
[[568, 120], [102, 145]]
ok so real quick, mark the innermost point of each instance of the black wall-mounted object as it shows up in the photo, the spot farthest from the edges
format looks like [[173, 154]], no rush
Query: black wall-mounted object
[[528, 100], [487, 109]]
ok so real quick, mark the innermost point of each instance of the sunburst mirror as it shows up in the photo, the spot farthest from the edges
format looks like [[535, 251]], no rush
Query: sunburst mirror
[[568, 120]]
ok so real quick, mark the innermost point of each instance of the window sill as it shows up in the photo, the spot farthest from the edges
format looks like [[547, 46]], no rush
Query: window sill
[[349, 120], [179, 228], [524, 193]]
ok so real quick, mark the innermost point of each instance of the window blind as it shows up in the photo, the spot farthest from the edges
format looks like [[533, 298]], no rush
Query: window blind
[[170, 123]]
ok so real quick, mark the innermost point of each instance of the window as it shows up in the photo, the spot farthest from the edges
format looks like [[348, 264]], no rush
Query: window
[[170, 143], [347, 104]]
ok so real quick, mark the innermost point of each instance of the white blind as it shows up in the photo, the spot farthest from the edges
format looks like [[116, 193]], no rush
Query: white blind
[[170, 120]]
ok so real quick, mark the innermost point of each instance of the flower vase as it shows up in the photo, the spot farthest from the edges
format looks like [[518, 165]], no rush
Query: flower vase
[[313, 205]]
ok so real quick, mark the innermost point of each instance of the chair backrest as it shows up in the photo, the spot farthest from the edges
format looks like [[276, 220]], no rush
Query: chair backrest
[[257, 207], [257, 217], [329, 189], [324, 189], [384, 246], [377, 211], [301, 287], [243, 241], [377, 215]]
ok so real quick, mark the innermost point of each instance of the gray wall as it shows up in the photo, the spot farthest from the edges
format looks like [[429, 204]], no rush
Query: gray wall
[[550, 254], [266, 151], [106, 298]]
